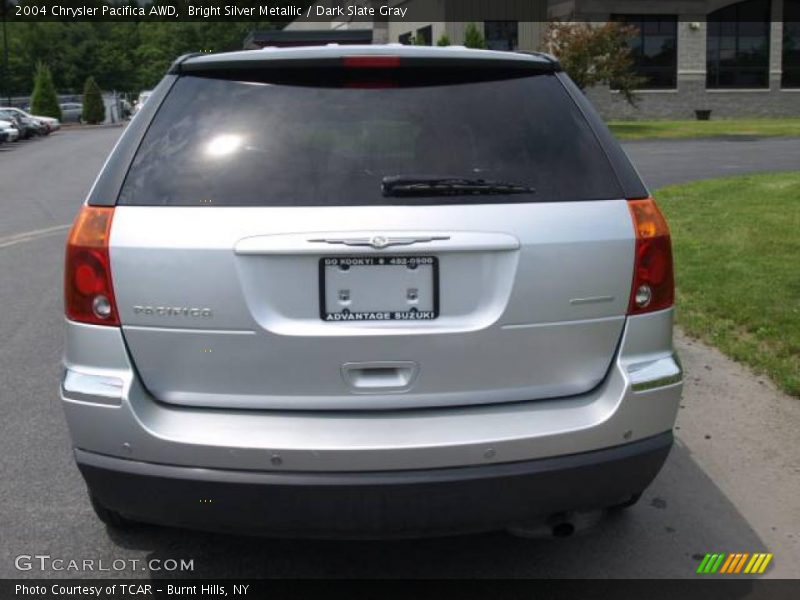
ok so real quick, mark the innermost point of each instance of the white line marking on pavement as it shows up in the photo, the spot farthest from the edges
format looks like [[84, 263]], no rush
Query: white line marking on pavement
[[28, 236]]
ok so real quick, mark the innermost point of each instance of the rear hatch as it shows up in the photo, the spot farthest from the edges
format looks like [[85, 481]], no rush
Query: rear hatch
[[370, 238]]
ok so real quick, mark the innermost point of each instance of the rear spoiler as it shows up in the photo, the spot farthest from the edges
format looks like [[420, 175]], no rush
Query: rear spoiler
[[185, 66]]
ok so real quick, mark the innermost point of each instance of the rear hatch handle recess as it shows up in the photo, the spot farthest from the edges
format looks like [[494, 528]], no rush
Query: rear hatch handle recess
[[380, 376]]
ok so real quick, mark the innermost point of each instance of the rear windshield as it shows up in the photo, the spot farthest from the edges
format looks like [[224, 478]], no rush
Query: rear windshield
[[223, 142]]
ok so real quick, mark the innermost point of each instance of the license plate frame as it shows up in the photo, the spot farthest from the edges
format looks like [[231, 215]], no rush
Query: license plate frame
[[379, 315]]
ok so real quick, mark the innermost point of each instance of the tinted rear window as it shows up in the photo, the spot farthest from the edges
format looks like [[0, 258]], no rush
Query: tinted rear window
[[223, 142]]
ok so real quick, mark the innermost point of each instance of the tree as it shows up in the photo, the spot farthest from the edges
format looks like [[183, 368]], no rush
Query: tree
[[44, 100], [595, 54], [473, 38], [443, 40], [94, 109], [125, 56], [160, 43]]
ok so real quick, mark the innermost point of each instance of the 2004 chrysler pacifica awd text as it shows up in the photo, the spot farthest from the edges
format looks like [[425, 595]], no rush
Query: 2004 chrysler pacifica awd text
[[367, 291]]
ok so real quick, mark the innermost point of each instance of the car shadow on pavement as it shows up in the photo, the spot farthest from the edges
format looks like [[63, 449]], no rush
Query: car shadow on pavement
[[682, 516], [14, 146]]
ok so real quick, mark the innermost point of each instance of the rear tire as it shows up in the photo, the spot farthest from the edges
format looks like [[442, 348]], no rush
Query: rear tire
[[112, 518]]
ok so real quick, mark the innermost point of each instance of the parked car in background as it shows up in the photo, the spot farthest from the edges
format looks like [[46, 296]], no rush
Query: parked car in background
[[9, 131], [26, 127], [49, 124], [141, 100], [71, 112], [424, 291], [34, 127], [125, 108]]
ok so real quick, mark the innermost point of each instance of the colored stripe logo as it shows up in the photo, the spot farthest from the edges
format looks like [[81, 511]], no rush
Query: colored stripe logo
[[734, 563]]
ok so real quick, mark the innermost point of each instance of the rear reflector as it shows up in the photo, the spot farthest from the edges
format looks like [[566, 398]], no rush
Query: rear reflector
[[88, 293], [653, 282], [371, 62]]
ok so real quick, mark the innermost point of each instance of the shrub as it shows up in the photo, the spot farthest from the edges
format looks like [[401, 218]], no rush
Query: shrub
[[44, 100], [443, 40], [94, 110], [473, 38]]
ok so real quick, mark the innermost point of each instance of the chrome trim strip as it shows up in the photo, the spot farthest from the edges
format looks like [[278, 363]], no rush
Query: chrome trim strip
[[360, 242], [85, 387], [591, 300], [378, 241], [656, 374]]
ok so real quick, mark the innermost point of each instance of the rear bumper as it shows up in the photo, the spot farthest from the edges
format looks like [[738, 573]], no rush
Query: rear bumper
[[373, 504], [110, 413]]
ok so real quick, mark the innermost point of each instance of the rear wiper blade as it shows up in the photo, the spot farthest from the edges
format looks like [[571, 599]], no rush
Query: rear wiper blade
[[409, 185]]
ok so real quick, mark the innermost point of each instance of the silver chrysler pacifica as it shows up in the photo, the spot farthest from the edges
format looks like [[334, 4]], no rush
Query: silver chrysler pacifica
[[367, 291]]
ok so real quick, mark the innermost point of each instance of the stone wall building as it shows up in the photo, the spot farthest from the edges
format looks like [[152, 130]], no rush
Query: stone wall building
[[735, 58]]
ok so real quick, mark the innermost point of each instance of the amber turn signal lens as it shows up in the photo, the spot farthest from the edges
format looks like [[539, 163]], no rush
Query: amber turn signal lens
[[88, 291], [653, 285]]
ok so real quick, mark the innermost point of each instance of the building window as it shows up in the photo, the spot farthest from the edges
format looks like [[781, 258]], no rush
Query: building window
[[791, 44], [654, 49], [501, 35], [738, 46], [406, 38], [424, 36]]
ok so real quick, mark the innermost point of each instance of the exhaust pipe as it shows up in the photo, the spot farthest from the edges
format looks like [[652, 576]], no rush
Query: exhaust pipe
[[558, 525], [563, 529]]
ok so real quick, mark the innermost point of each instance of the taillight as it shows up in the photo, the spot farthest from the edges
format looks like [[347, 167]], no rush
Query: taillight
[[653, 283], [88, 293]]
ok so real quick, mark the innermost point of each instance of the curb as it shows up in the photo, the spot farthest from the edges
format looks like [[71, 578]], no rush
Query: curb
[[65, 127]]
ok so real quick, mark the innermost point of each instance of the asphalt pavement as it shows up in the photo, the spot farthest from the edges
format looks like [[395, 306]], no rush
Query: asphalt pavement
[[662, 162], [727, 485]]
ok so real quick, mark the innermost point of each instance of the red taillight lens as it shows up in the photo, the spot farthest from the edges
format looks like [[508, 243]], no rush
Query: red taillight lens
[[653, 283], [88, 293], [371, 62]]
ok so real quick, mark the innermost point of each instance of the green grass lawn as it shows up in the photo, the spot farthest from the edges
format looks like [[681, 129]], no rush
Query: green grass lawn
[[635, 130], [736, 242]]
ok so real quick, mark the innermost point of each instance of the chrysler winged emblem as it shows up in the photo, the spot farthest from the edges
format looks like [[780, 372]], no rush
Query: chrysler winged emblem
[[379, 242]]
